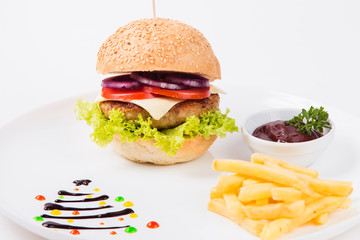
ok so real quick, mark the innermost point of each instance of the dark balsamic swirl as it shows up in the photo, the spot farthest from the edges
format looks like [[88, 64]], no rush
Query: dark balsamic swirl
[[53, 206], [99, 198], [82, 182], [66, 193], [102, 215], [50, 224]]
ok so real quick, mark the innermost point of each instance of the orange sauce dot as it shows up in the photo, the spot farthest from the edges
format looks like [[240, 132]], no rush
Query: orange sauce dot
[[121, 219], [113, 233], [40, 198], [76, 189], [75, 212], [101, 223], [153, 225], [74, 232]]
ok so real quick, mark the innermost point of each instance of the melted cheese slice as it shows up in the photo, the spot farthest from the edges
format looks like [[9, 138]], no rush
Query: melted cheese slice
[[158, 107]]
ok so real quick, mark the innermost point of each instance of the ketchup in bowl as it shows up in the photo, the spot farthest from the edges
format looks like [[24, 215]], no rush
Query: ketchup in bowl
[[279, 131]]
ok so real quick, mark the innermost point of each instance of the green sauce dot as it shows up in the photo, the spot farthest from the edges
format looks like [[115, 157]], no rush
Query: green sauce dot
[[119, 199], [38, 218], [61, 197], [130, 230]]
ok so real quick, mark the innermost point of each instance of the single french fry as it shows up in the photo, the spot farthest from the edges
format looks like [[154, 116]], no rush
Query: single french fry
[[286, 194], [274, 229], [263, 172], [321, 219], [249, 181], [229, 183], [253, 226], [233, 205], [346, 204], [262, 159], [262, 201], [214, 193], [326, 186], [255, 192], [280, 226], [275, 210]]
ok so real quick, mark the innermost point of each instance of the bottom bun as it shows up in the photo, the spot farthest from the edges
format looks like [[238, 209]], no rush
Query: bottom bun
[[146, 152]]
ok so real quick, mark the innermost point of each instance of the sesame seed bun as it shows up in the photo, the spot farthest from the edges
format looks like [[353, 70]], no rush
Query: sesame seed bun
[[158, 44], [145, 151]]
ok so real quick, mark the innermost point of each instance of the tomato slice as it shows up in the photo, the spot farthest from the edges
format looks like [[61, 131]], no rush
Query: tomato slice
[[192, 93], [126, 94]]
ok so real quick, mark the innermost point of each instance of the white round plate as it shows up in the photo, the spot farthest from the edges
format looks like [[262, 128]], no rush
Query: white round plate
[[47, 149]]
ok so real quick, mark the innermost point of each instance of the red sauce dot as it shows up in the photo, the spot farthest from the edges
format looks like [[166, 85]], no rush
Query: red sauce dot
[[74, 232], [40, 198], [113, 233], [75, 212], [153, 224], [121, 219]]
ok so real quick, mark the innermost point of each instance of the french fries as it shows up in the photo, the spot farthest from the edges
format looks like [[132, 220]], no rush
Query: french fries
[[269, 197]]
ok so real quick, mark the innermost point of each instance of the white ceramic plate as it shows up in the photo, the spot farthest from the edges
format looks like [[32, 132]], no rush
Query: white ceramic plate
[[45, 150]]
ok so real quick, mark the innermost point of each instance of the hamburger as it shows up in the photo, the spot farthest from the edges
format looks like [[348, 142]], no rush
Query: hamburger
[[157, 105]]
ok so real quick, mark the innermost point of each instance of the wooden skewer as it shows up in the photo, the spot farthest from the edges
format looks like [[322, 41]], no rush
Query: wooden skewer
[[154, 11]]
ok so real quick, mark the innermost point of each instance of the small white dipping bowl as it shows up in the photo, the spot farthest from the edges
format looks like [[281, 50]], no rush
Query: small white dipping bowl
[[302, 154]]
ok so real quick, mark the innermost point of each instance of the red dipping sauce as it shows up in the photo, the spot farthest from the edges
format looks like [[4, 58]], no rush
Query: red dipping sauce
[[279, 131]]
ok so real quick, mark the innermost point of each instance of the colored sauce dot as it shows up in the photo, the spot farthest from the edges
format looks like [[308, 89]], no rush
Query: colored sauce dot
[[128, 204], [40, 198], [89, 196], [102, 203], [70, 221], [76, 189], [74, 232], [133, 215], [38, 218], [96, 189], [55, 212], [61, 197], [152, 225], [121, 219], [119, 199], [113, 233], [130, 230], [102, 223], [75, 213]]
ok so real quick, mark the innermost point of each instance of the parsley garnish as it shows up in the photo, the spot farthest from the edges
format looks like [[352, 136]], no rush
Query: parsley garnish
[[313, 119]]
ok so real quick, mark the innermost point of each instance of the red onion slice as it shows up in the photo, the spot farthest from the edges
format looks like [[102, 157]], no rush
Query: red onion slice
[[120, 82], [153, 79], [188, 80]]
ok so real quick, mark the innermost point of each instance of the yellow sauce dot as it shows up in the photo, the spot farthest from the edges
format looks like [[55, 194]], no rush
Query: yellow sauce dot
[[89, 196], [102, 203], [96, 189], [70, 221], [133, 215], [55, 230], [128, 204], [55, 212]]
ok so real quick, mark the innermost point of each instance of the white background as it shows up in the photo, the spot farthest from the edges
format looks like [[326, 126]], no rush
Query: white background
[[305, 48]]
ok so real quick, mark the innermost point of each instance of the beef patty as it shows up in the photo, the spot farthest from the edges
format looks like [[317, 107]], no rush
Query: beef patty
[[174, 117]]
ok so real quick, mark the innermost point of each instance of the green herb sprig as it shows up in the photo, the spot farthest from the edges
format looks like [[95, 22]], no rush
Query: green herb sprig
[[313, 119]]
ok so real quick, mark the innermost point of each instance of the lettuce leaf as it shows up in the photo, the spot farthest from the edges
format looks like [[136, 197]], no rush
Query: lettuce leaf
[[170, 140]]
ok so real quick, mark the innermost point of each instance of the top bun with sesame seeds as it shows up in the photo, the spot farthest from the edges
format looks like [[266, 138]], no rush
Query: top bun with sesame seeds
[[158, 44]]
